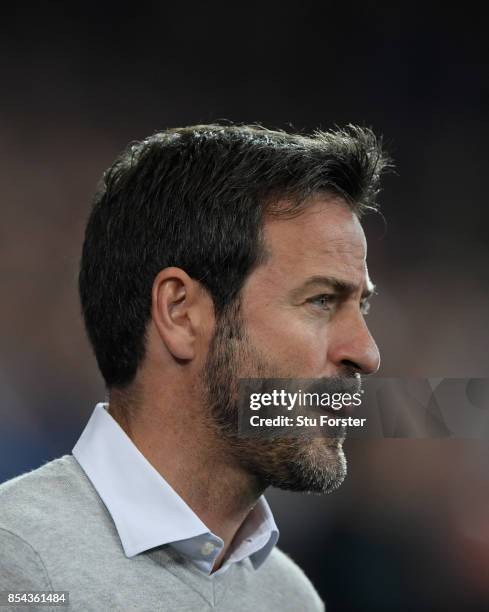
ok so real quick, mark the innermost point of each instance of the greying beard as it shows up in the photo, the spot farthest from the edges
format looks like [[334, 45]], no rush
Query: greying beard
[[296, 464]]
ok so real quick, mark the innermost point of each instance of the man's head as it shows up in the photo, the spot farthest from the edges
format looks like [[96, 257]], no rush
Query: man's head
[[220, 252]]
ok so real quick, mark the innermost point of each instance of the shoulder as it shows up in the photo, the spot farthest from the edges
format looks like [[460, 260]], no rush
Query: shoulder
[[45, 514], [21, 567], [53, 470], [34, 483], [26, 502], [292, 580], [41, 485], [45, 498]]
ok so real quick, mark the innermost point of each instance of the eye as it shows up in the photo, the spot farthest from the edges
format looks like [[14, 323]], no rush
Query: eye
[[324, 301]]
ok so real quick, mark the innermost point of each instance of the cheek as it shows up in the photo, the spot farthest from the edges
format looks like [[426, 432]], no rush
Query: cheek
[[295, 347]]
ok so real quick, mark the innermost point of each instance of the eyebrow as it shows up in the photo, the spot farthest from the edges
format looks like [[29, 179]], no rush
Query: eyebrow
[[340, 286]]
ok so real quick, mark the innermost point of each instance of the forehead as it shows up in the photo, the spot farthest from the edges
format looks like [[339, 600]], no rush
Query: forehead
[[327, 238]]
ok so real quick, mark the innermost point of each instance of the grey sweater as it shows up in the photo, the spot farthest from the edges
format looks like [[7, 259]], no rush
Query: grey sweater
[[56, 534]]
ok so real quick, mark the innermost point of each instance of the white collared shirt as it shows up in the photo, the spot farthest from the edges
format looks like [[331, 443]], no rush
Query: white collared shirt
[[148, 513]]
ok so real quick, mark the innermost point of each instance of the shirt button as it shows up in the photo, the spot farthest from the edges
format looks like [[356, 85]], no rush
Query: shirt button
[[207, 548]]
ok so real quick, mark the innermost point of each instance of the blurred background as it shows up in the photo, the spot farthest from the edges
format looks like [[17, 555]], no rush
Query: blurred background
[[409, 529]]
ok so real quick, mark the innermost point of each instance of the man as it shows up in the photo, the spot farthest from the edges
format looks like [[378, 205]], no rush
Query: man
[[212, 253]]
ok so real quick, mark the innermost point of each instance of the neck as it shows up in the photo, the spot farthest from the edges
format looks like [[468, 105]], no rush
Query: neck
[[192, 459]]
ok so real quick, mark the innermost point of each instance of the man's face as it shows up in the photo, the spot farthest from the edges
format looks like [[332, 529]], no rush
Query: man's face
[[300, 316]]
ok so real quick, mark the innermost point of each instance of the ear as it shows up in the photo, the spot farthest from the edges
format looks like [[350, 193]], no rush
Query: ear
[[177, 311]]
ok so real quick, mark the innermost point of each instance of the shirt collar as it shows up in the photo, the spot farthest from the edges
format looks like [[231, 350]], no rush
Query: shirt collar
[[148, 513]]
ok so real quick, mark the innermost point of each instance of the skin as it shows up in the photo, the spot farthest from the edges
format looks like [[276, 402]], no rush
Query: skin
[[322, 339], [297, 321]]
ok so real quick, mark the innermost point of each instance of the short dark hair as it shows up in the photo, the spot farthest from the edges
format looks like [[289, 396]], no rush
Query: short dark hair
[[195, 198]]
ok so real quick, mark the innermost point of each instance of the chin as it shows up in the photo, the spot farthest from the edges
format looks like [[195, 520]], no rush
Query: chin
[[316, 465], [324, 466]]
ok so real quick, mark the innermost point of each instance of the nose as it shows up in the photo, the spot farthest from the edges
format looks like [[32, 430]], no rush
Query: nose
[[352, 346]]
